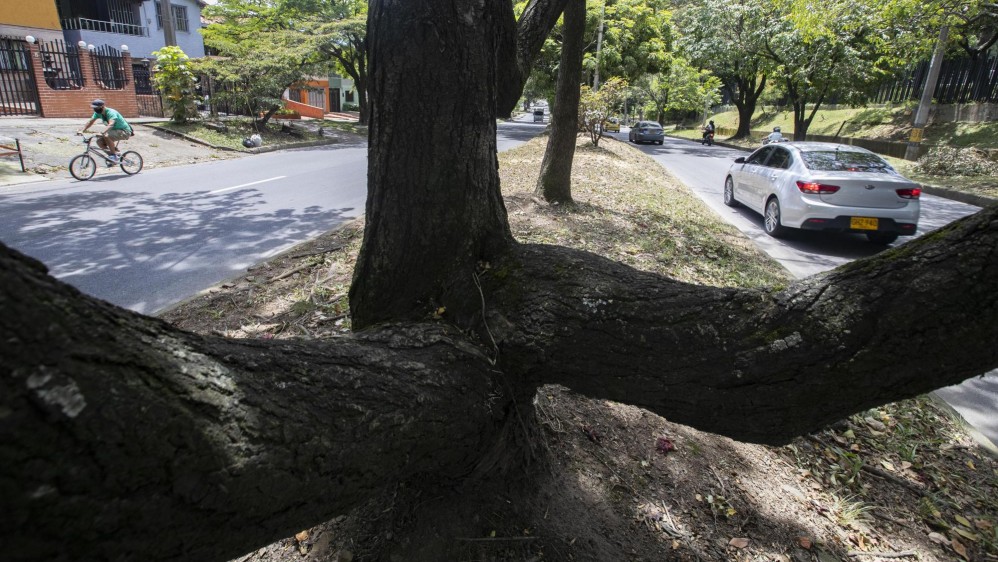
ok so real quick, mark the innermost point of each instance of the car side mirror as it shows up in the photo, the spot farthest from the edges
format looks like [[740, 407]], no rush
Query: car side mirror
[[740, 160]]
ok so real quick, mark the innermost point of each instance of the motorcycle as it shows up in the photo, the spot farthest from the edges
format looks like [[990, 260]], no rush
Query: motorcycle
[[708, 138]]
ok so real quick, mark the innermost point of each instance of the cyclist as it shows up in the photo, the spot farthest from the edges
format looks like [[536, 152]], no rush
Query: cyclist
[[117, 128]]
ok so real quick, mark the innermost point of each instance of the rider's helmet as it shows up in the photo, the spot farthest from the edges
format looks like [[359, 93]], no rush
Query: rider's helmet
[[711, 122], [776, 129], [97, 105]]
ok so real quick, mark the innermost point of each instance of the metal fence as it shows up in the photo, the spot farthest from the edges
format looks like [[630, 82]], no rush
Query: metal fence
[[143, 78], [960, 81], [18, 93], [109, 67], [61, 65]]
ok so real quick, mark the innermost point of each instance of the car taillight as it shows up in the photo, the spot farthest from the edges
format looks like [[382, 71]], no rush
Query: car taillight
[[909, 193], [816, 188]]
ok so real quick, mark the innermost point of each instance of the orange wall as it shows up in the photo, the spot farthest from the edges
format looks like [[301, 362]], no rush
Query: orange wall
[[30, 13]]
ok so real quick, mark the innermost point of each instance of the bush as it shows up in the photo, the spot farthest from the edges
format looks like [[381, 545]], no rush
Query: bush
[[351, 107], [950, 161]]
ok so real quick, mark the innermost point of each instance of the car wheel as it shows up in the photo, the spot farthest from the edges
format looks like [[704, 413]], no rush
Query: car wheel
[[771, 220], [881, 238], [660, 143], [729, 193]]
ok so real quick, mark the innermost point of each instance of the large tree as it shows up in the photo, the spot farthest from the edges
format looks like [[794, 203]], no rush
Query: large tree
[[125, 438], [725, 37]]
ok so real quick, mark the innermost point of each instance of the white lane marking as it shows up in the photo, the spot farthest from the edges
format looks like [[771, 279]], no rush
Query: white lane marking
[[245, 185]]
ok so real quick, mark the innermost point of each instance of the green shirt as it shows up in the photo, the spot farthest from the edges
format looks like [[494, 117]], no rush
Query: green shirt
[[119, 122]]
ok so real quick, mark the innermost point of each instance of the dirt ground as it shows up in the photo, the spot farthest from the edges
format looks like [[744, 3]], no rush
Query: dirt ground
[[899, 482]]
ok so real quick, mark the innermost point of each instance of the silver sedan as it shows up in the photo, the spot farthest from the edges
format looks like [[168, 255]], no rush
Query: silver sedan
[[824, 186], [646, 131]]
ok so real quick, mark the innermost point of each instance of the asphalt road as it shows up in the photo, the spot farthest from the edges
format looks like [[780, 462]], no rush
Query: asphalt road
[[804, 253], [144, 242]]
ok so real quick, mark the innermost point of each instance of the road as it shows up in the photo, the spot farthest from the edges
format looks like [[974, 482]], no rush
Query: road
[[147, 241], [804, 253]]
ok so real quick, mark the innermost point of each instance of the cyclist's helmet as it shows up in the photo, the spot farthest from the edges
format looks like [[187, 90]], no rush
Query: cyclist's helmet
[[776, 129], [97, 105]]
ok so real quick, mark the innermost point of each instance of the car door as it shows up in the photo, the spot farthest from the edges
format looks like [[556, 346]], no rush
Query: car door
[[750, 183], [774, 175]]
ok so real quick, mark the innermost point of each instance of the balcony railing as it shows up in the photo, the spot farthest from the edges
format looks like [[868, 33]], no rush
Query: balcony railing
[[105, 27]]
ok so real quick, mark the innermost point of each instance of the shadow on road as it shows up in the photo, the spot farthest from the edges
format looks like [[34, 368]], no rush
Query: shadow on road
[[119, 245]]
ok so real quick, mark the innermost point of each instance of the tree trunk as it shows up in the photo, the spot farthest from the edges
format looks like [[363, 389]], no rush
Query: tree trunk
[[124, 438], [433, 208], [555, 181], [745, 94]]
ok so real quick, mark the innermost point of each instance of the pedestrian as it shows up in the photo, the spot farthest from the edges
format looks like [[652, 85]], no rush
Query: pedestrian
[[117, 129]]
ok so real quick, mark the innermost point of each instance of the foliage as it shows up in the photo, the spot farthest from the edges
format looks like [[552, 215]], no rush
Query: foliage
[[637, 38], [595, 107], [174, 77], [952, 161], [264, 48], [682, 88]]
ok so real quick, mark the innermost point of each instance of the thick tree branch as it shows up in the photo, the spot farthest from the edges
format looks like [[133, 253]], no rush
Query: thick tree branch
[[519, 46], [122, 438], [760, 366], [115, 428]]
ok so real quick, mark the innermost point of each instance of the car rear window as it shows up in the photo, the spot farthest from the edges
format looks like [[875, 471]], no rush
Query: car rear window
[[844, 161]]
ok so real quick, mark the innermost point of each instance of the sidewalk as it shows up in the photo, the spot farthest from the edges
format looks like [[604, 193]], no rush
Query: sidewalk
[[49, 144]]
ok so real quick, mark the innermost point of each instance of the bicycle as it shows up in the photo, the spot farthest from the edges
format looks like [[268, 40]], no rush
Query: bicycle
[[84, 166]]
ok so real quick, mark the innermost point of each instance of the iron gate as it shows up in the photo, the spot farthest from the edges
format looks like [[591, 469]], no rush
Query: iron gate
[[18, 94]]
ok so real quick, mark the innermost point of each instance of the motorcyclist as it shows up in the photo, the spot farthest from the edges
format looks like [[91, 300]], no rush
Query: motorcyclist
[[775, 136], [708, 129]]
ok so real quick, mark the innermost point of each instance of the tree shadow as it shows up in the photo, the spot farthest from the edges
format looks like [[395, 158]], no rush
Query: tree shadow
[[144, 251]]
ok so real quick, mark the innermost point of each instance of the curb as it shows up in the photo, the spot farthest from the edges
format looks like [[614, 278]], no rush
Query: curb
[[258, 150], [974, 433]]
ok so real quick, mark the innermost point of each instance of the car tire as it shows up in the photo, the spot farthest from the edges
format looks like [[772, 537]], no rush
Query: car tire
[[660, 143], [771, 219], [881, 238], [729, 193]]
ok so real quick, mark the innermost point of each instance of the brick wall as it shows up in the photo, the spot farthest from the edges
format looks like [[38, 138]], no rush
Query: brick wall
[[76, 103]]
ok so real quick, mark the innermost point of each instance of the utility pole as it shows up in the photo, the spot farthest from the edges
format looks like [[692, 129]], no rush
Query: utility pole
[[599, 47], [922, 114], [169, 33]]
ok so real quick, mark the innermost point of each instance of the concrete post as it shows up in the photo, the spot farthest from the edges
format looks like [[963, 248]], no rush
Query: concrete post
[[922, 114]]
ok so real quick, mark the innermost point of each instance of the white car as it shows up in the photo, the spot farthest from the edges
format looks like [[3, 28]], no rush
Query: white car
[[824, 186]]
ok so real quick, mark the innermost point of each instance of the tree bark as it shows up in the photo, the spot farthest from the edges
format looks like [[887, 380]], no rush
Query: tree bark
[[124, 438], [555, 181], [745, 92], [434, 210]]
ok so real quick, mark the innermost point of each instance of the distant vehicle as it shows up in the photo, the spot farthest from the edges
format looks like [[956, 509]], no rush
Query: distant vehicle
[[611, 125], [538, 116], [646, 131], [824, 186]]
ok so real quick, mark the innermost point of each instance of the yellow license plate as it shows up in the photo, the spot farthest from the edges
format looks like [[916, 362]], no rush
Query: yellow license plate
[[863, 223]]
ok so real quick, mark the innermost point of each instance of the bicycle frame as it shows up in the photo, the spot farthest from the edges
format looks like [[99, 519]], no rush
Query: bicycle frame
[[96, 150]]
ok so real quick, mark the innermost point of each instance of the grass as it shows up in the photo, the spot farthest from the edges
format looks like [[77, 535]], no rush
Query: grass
[[238, 128]]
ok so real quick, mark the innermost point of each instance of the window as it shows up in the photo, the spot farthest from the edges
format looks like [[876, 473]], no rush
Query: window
[[845, 161], [179, 17], [779, 159], [349, 95], [760, 156]]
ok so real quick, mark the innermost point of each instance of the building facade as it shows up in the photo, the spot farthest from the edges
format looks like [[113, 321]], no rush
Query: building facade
[[135, 23]]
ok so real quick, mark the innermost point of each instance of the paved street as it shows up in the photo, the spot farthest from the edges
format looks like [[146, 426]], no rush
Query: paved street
[[803, 253], [146, 241]]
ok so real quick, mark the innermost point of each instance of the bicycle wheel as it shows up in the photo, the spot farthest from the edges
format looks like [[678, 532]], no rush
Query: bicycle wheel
[[82, 167], [131, 162]]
